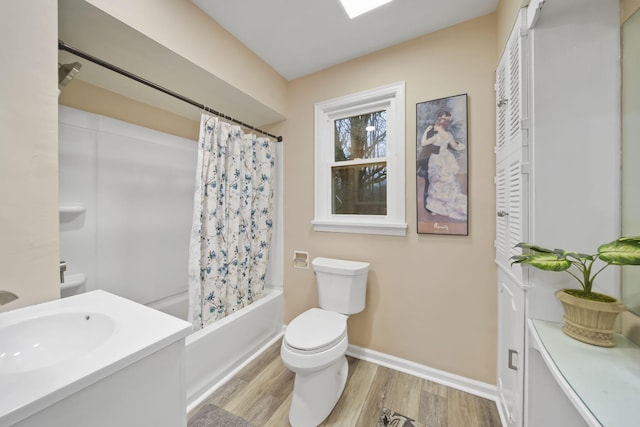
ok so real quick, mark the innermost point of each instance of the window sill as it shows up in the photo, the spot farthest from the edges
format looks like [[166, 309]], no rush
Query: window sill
[[388, 229]]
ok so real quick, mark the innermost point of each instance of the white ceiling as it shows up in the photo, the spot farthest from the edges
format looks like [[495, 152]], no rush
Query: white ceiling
[[299, 37]]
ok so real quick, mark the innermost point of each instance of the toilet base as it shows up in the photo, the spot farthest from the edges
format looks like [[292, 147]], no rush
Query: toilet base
[[315, 394]]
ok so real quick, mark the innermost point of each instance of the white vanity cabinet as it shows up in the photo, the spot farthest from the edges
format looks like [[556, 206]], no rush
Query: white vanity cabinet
[[557, 178]]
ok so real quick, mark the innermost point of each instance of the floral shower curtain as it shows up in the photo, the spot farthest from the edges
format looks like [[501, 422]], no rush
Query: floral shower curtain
[[232, 221]]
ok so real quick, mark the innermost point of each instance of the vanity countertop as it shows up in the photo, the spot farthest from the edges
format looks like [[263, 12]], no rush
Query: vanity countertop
[[54, 349], [602, 383]]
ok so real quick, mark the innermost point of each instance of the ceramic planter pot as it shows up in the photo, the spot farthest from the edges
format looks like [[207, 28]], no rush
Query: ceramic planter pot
[[589, 321]]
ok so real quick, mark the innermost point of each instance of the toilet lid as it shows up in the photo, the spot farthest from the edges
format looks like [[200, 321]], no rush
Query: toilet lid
[[315, 329]]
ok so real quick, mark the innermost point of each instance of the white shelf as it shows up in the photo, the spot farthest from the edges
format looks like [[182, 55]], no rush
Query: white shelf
[[73, 282], [72, 208], [600, 382], [70, 211]]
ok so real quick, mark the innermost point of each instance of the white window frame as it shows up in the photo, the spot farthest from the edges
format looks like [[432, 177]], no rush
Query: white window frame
[[392, 99]]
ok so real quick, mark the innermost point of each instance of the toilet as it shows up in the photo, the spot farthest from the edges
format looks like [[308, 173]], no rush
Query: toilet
[[315, 342]]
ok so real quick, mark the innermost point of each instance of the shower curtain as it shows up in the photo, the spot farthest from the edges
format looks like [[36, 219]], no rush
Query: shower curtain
[[232, 221]]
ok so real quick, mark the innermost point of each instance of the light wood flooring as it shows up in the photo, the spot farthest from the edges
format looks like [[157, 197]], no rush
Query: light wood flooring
[[261, 394]]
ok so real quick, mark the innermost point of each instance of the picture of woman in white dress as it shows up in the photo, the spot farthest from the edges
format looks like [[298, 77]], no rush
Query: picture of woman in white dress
[[443, 193], [441, 165]]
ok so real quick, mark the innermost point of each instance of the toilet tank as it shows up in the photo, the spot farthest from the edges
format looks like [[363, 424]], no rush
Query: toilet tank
[[342, 284]]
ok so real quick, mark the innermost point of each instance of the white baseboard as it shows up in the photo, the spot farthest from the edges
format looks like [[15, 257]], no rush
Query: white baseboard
[[503, 416], [458, 382]]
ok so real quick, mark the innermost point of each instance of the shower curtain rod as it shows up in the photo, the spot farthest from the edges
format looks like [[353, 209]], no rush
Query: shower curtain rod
[[63, 46]]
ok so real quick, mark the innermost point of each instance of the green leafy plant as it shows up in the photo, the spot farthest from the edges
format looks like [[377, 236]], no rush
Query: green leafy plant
[[622, 251]]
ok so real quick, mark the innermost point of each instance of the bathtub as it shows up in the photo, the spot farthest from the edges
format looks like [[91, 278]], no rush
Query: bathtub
[[215, 353]]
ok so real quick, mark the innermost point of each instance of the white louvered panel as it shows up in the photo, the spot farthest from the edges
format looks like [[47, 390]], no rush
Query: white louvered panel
[[515, 206], [502, 222], [501, 108], [512, 221], [515, 113]]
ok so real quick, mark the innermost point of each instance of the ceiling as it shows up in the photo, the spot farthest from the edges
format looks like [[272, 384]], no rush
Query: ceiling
[[299, 37]]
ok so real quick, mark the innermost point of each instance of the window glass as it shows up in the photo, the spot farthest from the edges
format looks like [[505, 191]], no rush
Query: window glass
[[360, 189], [361, 137]]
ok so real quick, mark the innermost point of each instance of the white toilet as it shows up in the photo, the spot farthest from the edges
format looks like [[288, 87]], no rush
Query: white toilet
[[315, 342]]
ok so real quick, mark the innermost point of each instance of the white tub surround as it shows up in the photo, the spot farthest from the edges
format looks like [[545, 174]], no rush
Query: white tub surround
[[92, 359], [126, 196]]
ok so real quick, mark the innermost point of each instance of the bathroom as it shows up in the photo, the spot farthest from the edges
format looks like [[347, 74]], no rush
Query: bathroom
[[416, 274]]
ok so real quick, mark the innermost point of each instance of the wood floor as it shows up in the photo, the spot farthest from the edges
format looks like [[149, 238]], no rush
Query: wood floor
[[261, 394]]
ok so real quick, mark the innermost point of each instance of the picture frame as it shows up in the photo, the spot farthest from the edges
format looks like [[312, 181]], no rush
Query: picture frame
[[442, 167]]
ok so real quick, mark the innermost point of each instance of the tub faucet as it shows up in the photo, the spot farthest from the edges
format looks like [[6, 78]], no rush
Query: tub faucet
[[6, 297], [63, 268]]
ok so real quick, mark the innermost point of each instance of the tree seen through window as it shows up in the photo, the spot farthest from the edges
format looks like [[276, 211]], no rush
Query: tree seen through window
[[359, 172]]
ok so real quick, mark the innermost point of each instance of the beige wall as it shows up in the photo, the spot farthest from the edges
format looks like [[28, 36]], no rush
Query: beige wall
[[430, 299], [29, 152]]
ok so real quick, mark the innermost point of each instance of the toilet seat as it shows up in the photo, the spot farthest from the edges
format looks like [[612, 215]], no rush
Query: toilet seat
[[316, 330]]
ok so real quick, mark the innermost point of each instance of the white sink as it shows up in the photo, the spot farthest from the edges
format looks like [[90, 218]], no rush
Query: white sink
[[45, 341]]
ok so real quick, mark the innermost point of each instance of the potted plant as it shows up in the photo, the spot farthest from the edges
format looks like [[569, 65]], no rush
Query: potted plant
[[588, 316]]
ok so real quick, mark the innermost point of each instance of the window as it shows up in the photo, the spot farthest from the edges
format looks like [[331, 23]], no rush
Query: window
[[359, 163]]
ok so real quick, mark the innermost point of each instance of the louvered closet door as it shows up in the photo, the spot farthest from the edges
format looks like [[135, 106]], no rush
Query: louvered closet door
[[516, 106], [502, 212], [512, 182], [502, 196], [511, 106], [516, 181], [510, 211], [511, 149], [501, 109], [502, 152]]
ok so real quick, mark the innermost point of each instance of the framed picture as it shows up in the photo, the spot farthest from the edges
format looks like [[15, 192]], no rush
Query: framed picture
[[442, 182]]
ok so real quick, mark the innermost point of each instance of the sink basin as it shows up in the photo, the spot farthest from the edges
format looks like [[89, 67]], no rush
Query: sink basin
[[48, 340]]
